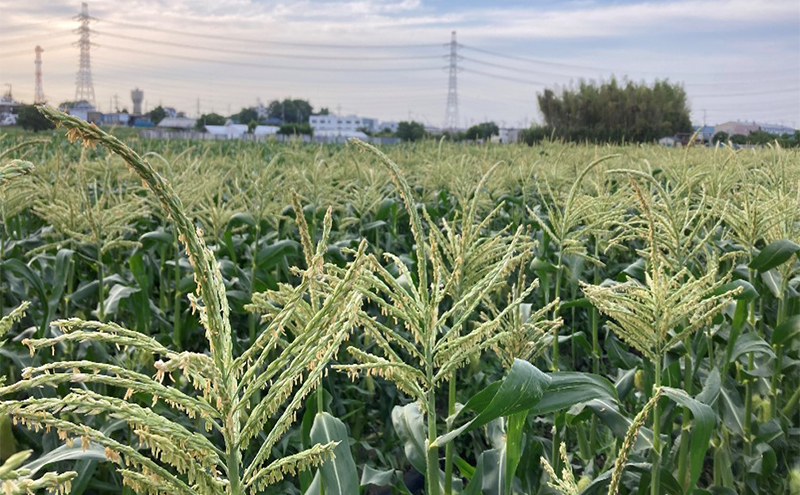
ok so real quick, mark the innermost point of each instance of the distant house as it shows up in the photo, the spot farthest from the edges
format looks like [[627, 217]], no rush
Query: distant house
[[506, 136], [706, 133], [116, 118], [339, 124], [670, 142], [733, 128], [329, 134], [183, 123], [777, 129], [229, 130], [433, 130], [266, 130], [83, 110]]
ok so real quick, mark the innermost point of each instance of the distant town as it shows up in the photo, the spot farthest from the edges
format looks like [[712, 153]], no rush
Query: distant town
[[295, 119]]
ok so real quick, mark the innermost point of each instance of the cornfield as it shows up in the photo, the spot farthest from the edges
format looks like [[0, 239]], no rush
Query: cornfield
[[438, 318]]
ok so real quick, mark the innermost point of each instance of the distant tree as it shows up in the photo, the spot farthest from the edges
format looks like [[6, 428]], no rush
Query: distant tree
[[157, 114], [30, 119], [484, 131], [410, 131], [209, 119], [611, 112], [535, 134], [739, 139], [251, 126], [66, 105], [246, 115], [290, 111], [295, 129], [324, 111], [720, 137]]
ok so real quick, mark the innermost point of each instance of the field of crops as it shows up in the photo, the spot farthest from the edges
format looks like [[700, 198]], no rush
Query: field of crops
[[229, 317]]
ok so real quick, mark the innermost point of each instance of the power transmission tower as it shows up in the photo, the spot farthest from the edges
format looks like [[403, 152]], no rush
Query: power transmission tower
[[39, 93], [84, 88], [451, 111]]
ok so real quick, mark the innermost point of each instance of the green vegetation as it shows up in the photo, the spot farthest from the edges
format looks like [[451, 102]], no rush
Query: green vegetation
[[610, 112], [217, 317], [209, 119], [31, 120]]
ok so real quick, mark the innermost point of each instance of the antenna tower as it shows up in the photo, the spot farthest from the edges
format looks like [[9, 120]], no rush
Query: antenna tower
[[39, 93], [84, 89], [451, 111]]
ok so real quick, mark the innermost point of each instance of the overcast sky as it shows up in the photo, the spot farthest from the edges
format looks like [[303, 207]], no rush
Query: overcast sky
[[738, 59]]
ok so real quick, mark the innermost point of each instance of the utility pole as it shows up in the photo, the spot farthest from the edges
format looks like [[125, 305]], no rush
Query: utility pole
[[39, 93], [116, 103], [84, 88], [451, 110], [198, 108]]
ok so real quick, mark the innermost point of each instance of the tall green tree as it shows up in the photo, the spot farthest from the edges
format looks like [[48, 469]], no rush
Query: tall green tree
[[410, 131], [290, 111], [30, 119], [209, 119], [157, 114], [484, 130], [633, 112]]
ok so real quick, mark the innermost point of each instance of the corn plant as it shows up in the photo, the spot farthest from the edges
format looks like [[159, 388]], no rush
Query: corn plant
[[171, 458]]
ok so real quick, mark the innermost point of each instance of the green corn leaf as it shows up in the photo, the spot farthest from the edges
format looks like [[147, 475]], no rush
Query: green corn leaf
[[519, 391], [409, 425], [372, 476], [65, 453], [774, 254], [23, 271], [747, 293], [750, 342], [338, 475], [704, 422], [786, 331], [569, 388]]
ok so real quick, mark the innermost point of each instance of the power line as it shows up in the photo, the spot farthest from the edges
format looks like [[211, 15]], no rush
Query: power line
[[601, 69], [693, 84], [29, 40], [265, 54], [505, 78], [28, 51], [266, 41], [268, 66], [753, 93]]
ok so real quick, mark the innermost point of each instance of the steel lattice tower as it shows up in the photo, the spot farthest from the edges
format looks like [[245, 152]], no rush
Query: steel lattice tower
[[39, 93], [84, 88], [451, 111]]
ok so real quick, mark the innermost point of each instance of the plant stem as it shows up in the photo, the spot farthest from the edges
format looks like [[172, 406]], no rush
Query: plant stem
[[655, 477], [594, 318], [177, 330], [448, 450], [776, 374], [432, 451], [101, 290], [252, 316], [684, 448]]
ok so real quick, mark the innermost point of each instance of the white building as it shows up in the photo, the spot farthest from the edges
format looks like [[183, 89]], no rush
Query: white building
[[391, 125], [81, 110], [776, 129], [229, 130], [177, 123], [266, 130], [117, 118], [506, 135], [339, 124]]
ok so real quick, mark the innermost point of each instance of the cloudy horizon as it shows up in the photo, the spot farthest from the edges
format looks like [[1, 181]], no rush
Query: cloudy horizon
[[387, 59]]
